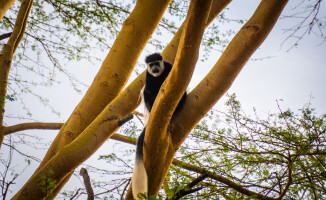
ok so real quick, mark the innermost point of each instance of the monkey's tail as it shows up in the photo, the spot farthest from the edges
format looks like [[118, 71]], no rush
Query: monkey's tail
[[139, 176]]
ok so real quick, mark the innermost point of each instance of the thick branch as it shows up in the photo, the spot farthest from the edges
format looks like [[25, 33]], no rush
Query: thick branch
[[20, 25], [170, 51], [221, 77], [156, 138], [115, 71], [169, 54]]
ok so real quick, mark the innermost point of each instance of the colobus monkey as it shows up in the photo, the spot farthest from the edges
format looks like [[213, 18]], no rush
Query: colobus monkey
[[157, 71]]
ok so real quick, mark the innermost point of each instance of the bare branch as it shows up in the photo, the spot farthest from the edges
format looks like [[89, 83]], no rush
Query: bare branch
[[31, 125], [75, 194], [4, 36], [189, 188], [87, 182]]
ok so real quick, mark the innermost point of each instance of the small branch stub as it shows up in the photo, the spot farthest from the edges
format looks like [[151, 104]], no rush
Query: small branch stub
[[125, 119], [87, 182]]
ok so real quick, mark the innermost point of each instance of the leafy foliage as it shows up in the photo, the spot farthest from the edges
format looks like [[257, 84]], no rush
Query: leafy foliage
[[47, 183], [283, 154]]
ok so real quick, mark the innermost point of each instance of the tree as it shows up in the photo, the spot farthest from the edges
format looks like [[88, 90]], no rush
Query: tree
[[105, 105]]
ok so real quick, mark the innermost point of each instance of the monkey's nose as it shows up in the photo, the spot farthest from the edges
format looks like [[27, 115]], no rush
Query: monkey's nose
[[155, 69]]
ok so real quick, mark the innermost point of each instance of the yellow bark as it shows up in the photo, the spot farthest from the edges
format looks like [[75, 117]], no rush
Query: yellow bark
[[31, 125], [73, 154], [170, 51], [114, 72], [216, 83], [4, 6], [7, 53], [156, 139], [224, 72]]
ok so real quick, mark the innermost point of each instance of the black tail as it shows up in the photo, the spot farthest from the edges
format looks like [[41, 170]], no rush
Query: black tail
[[140, 144]]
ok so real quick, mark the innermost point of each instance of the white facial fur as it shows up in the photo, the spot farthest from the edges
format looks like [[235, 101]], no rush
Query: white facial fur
[[161, 68]]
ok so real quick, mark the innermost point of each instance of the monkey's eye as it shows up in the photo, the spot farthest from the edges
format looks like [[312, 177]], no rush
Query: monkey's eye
[[154, 63]]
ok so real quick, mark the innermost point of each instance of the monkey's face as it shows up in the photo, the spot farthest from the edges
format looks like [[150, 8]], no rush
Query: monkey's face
[[155, 68]]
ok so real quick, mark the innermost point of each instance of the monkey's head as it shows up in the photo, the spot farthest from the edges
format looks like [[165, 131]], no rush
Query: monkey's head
[[155, 64]]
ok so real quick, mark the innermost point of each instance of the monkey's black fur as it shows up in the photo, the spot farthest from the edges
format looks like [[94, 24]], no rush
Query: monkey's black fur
[[153, 82]]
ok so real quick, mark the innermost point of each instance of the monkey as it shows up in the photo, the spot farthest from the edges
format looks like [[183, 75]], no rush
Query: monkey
[[156, 73]]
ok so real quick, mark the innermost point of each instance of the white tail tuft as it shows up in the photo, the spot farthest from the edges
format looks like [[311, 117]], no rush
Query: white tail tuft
[[139, 179]]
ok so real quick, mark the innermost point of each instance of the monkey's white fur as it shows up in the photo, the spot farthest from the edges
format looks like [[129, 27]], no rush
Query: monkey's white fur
[[161, 68], [139, 177]]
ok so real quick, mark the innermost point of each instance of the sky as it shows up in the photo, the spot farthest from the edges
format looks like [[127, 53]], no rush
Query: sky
[[293, 78]]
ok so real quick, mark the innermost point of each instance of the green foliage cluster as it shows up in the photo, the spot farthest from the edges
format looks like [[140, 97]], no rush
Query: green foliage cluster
[[283, 153], [47, 183]]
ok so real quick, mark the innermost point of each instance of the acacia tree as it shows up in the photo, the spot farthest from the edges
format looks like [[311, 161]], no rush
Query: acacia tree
[[105, 105]]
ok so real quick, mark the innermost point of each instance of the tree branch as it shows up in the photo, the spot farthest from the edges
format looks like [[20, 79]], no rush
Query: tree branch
[[31, 125], [229, 65], [111, 78], [87, 182], [156, 138], [189, 188], [4, 36]]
